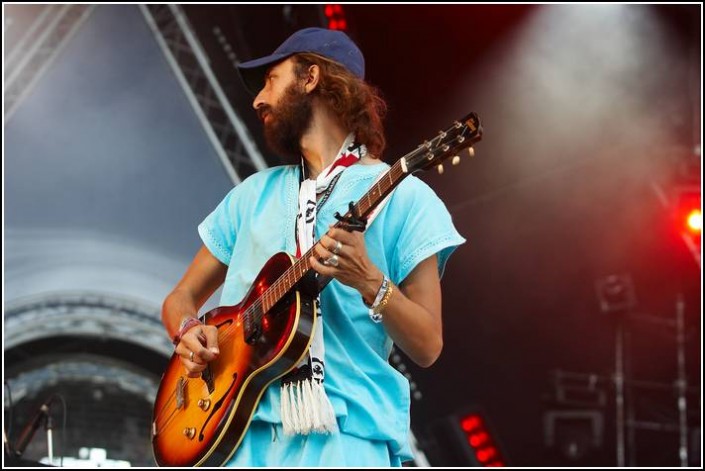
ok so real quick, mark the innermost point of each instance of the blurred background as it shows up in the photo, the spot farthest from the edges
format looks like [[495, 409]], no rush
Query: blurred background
[[572, 316]]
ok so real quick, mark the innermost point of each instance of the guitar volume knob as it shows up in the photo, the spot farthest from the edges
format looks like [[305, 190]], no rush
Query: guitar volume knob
[[190, 432], [204, 404]]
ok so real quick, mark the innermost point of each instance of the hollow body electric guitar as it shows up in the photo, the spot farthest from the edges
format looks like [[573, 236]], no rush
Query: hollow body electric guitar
[[201, 421]]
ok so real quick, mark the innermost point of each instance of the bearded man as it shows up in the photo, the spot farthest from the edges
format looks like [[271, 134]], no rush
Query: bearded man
[[318, 112]]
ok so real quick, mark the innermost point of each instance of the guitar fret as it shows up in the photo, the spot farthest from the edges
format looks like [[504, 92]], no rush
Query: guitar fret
[[270, 299], [265, 301]]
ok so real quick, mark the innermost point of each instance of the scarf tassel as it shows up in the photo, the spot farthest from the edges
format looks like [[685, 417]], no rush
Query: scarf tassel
[[305, 408]]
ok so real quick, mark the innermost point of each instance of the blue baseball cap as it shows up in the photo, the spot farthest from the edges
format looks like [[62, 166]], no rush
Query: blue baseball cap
[[334, 45]]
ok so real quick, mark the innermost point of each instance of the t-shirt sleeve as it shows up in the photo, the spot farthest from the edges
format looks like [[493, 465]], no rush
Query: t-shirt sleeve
[[425, 228], [219, 229]]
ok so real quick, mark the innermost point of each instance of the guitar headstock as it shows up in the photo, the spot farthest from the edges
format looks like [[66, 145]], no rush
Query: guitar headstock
[[449, 143]]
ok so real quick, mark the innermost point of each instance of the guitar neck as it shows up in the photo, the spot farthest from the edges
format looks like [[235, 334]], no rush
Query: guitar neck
[[460, 135], [364, 207]]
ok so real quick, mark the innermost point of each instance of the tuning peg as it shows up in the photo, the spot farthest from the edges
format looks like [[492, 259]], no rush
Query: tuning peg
[[471, 151], [455, 160], [440, 169]]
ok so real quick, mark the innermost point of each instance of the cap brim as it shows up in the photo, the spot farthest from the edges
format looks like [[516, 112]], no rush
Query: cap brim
[[252, 72]]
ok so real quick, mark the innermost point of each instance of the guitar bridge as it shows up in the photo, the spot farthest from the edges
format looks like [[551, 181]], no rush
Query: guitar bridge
[[207, 377], [180, 392]]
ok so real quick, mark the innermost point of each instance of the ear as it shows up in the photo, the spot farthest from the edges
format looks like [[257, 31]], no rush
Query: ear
[[313, 76]]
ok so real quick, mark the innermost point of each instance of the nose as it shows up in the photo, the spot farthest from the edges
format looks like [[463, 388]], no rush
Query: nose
[[259, 100]]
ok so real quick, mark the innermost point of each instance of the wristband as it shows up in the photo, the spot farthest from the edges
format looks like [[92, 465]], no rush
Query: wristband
[[184, 327]]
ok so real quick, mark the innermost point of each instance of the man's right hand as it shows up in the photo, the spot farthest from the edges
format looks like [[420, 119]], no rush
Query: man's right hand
[[205, 274], [198, 346]]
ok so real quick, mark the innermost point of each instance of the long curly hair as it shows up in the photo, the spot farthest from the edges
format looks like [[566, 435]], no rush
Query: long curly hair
[[358, 105]]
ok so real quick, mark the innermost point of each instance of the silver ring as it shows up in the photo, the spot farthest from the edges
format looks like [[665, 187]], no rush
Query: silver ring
[[191, 356], [333, 261], [338, 246]]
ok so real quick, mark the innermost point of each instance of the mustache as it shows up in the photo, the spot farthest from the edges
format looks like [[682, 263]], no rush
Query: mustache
[[262, 111]]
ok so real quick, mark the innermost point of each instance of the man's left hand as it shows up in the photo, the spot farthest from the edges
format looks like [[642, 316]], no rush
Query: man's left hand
[[344, 258]]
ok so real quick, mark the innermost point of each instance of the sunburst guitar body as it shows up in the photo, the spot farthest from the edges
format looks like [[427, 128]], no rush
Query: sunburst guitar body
[[201, 421]]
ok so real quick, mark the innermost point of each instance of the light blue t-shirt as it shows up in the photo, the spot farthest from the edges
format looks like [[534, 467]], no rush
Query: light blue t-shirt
[[256, 220]]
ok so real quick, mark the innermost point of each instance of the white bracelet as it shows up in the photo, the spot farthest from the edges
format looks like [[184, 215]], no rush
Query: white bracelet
[[384, 287], [380, 292]]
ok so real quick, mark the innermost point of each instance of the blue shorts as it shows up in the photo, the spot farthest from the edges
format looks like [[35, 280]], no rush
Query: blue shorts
[[265, 444]]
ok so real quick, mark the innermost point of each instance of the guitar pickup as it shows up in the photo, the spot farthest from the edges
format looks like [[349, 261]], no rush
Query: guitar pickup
[[253, 328]]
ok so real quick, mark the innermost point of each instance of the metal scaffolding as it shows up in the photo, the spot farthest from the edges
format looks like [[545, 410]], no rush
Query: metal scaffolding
[[50, 31], [226, 130]]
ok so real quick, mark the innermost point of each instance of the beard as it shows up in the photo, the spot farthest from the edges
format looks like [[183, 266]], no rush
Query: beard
[[288, 122]]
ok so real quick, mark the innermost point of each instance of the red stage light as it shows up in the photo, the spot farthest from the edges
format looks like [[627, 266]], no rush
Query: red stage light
[[470, 423], [480, 446], [336, 17], [695, 221], [688, 210], [485, 455], [478, 439]]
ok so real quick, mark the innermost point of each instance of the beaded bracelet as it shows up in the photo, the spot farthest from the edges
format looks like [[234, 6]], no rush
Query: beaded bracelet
[[185, 326]]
